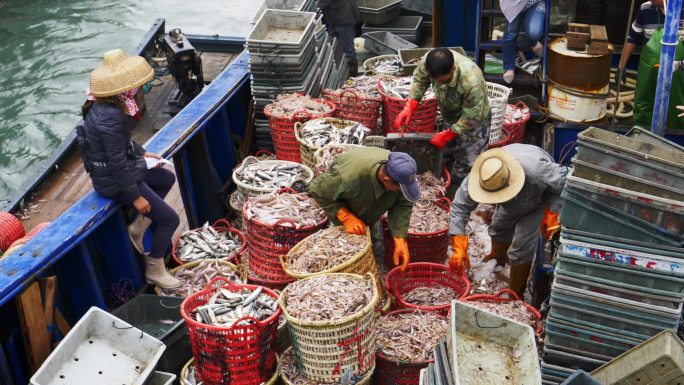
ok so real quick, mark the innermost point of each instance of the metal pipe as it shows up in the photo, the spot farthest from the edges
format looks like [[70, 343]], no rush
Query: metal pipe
[[669, 44]]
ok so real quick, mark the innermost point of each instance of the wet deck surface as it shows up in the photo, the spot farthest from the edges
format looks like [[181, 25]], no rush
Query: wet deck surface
[[69, 182]]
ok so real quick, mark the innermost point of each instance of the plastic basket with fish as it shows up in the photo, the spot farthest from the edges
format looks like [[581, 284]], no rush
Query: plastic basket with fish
[[422, 120], [282, 129], [425, 246], [391, 370], [239, 354], [383, 65], [437, 282], [251, 163], [352, 106], [326, 348], [516, 128], [326, 155], [500, 298], [361, 263], [267, 242], [498, 99], [204, 277], [221, 226], [307, 150]]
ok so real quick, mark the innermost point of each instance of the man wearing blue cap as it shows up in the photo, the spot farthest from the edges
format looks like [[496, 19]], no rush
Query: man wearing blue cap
[[363, 184]]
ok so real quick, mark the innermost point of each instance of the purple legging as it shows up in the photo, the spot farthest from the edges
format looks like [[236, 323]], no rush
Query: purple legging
[[158, 181]]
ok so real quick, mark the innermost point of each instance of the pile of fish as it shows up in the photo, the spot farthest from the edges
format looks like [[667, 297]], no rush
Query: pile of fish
[[385, 65], [327, 155], [515, 114], [515, 310], [327, 297], [198, 277], [271, 174], [430, 186], [430, 296], [226, 307], [324, 250], [300, 209], [287, 104], [401, 88], [206, 242], [319, 132], [410, 337], [190, 377], [427, 217], [288, 369], [365, 86]]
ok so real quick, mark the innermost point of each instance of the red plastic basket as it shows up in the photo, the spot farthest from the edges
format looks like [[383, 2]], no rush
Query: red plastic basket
[[11, 230], [446, 175], [424, 274], [282, 131], [423, 247], [389, 371], [503, 142], [236, 355], [222, 226], [422, 120], [516, 131], [266, 243], [351, 106], [499, 297]]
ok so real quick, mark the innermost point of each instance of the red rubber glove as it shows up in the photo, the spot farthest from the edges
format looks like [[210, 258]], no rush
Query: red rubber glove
[[459, 254], [441, 139], [404, 116], [401, 251], [352, 224], [549, 224]]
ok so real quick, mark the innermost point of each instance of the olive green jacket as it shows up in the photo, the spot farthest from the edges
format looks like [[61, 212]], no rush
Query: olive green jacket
[[463, 100], [352, 183]]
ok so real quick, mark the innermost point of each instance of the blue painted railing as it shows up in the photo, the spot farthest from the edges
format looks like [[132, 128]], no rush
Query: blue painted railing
[[87, 247], [667, 56]]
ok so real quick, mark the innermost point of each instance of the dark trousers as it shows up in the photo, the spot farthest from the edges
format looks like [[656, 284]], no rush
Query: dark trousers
[[157, 183]]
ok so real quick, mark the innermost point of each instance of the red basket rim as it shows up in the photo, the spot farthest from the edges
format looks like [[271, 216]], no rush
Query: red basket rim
[[394, 98], [260, 324], [226, 228], [339, 93], [397, 270], [384, 357], [294, 115], [498, 297]]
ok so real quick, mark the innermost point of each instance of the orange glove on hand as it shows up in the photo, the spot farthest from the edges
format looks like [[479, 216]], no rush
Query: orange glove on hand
[[401, 250], [459, 253], [405, 115], [441, 139], [352, 224], [549, 224]]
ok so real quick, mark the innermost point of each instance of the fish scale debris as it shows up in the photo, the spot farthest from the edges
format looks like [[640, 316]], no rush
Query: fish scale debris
[[271, 175], [410, 336], [319, 132], [226, 307], [288, 104], [299, 209], [515, 310], [324, 250], [327, 297], [198, 277], [430, 296], [207, 242]]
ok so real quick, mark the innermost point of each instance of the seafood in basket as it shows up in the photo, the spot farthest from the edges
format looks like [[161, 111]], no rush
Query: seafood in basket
[[288, 104], [327, 297], [430, 296], [427, 217], [409, 336], [319, 132], [226, 307], [271, 175], [401, 88], [286, 209], [206, 242], [430, 186], [324, 250], [365, 86], [196, 275]]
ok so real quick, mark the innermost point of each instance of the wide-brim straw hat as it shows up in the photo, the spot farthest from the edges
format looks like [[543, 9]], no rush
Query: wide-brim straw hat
[[496, 177], [119, 73]]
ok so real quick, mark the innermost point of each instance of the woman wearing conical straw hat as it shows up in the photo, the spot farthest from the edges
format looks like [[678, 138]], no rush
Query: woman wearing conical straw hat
[[116, 164]]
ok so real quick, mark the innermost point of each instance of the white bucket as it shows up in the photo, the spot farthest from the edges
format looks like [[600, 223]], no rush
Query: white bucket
[[573, 108]]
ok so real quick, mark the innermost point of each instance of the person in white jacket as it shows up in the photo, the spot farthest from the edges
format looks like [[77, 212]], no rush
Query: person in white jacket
[[531, 12]]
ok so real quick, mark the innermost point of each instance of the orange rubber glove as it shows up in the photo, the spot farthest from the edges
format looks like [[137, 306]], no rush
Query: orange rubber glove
[[401, 250], [549, 224], [352, 224], [405, 115], [459, 253], [441, 139]]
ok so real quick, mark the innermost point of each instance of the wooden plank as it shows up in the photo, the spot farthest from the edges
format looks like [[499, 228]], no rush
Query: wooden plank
[[62, 323], [578, 27], [599, 48], [598, 33], [50, 287], [577, 41], [33, 326]]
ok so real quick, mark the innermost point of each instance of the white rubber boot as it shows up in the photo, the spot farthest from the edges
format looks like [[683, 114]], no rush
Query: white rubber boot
[[136, 232], [538, 50], [156, 273], [509, 76]]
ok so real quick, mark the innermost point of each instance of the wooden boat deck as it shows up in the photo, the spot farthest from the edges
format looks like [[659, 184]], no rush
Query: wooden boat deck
[[69, 182]]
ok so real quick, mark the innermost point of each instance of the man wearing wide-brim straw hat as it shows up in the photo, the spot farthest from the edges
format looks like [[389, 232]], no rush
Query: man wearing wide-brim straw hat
[[524, 183]]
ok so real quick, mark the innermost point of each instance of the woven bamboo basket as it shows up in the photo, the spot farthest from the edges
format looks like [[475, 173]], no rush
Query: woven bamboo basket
[[363, 262], [249, 190], [308, 150], [365, 380], [238, 269], [317, 155], [324, 349], [191, 362]]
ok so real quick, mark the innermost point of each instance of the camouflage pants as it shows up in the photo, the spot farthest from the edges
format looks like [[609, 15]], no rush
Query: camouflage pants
[[461, 152]]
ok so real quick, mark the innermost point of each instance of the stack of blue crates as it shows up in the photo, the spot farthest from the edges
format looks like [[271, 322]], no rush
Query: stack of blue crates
[[619, 275]]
